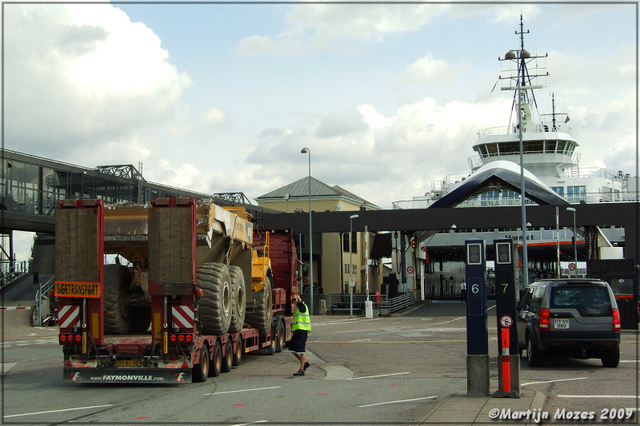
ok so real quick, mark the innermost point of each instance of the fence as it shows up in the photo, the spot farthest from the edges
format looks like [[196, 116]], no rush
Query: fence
[[9, 271], [42, 308], [342, 302]]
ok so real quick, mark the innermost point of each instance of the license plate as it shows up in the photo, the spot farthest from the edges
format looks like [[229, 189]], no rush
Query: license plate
[[128, 363], [560, 323]]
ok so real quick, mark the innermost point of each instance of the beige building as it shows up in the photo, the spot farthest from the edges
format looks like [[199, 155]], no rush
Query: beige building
[[334, 259]]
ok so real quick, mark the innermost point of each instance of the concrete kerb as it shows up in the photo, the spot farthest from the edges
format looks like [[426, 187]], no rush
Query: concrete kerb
[[458, 408]]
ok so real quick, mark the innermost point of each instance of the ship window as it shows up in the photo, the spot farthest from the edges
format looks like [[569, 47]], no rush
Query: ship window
[[510, 148], [561, 146], [550, 146], [533, 147], [558, 190], [492, 149], [575, 194]]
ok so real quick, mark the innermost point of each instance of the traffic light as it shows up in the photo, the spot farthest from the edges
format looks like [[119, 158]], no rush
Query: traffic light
[[413, 243]]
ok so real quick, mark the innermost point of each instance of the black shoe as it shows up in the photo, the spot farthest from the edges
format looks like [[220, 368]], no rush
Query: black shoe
[[299, 373], [306, 365]]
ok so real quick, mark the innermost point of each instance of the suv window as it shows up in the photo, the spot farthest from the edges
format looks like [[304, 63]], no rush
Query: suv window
[[588, 300], [538, 294]]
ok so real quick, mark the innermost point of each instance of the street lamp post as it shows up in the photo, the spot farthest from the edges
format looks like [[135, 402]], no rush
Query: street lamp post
[[308, 151], [575, 242], [353, 216]]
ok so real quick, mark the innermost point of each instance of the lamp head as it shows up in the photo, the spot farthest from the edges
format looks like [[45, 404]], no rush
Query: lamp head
[[354, 216], [304, 150]]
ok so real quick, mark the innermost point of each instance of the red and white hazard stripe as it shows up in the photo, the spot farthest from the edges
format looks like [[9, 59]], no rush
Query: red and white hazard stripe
[[69, 316], [11, 308], [182, 316]]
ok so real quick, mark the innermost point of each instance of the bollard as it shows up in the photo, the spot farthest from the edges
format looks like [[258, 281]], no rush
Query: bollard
[[506, 365]]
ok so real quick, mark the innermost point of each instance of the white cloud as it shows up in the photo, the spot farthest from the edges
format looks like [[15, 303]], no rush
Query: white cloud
[[81, 73], [428, 70], [215, 116], [316, 28]]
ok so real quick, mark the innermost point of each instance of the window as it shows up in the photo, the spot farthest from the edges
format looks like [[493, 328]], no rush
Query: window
[[354, 242], [558, 190], [576, 194]]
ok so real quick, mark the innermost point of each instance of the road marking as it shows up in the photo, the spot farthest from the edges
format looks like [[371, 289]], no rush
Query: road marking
[[396, 402], [357, 331], [554, 381], [600, 396], [242, 390], [252, 423], [390, 342], [29, 342], [380, 375], [57, 411]]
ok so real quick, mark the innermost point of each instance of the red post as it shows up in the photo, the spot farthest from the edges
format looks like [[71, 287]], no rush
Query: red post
[[506, 365]]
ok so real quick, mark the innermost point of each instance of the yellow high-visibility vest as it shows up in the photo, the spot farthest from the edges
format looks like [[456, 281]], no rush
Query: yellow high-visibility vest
[[301, 321]]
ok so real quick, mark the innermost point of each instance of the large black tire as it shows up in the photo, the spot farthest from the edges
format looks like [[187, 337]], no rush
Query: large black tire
[[238, 354], [534, 355], [240, 301], [117, 280], [200, 371], [279, 327], [227, 358], [216, 304], [611, 359], [216, 365], [260, 317], [140, 318]]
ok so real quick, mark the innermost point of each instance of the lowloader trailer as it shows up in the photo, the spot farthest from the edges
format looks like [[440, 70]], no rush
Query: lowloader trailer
[[176, 314]]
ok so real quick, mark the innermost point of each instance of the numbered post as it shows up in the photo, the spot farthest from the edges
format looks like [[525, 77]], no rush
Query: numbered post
[[477, 331], [506, 311]]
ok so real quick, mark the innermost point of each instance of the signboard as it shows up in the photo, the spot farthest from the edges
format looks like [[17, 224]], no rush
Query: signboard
[[89, 290], [352, 282], [409, 269]]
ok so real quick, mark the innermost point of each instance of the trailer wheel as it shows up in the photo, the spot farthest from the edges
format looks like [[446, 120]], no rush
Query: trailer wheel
[[216, 303], [279, 336], [261, 317], [238, 296], [214, 371], [239, 352], [201, 370], [117, 279], [140, 318], [227, 359]]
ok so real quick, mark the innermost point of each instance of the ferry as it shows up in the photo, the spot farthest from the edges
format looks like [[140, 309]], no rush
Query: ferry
[[551, 161]]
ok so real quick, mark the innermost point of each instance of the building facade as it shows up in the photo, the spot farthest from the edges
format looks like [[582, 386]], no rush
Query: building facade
[[336, 256]]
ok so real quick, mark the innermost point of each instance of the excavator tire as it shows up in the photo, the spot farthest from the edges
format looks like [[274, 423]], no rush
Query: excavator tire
[[117, 318], [216, 305], [238, 294], [260, 317]]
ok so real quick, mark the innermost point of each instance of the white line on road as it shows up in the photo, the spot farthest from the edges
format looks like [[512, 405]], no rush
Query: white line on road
[[252, 423], [57, 411], [600, 396], [554, 381], [380, 375], [397, 402], [242, 390]]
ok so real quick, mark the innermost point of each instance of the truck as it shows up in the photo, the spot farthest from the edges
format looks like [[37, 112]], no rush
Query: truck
[[171, 291]]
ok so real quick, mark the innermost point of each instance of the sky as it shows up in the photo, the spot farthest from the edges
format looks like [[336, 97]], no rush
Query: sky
[[388, 97]]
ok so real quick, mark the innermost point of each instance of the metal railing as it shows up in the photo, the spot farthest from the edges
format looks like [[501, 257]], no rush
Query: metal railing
[[9, 271], [396, 304], [42, 303], [387, 306]]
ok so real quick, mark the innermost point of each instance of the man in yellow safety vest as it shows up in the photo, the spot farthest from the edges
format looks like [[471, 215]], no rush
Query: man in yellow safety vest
[[301, 327]]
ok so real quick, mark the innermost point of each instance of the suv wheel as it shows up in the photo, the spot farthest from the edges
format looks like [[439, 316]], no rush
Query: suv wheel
[[611, 359], [534, 355]]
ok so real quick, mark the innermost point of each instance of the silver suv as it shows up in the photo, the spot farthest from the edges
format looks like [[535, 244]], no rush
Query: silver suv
[[569, 318]]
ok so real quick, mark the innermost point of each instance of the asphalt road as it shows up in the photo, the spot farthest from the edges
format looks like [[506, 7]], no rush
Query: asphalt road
[[383, 370]]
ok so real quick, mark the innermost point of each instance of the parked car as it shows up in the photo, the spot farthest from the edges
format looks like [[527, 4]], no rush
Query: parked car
[[569, 318]]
